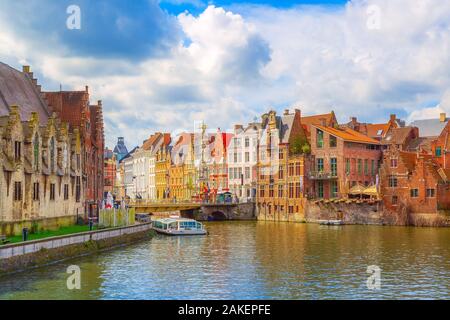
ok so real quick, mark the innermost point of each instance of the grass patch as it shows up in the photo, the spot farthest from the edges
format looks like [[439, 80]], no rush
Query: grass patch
[[52, 233]]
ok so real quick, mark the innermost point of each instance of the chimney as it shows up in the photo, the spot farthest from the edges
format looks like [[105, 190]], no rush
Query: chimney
[[26, 69], [393, 117], [87, 88], [353, 120], [442, 117], [99, 103], [286, 112], [167, 139]]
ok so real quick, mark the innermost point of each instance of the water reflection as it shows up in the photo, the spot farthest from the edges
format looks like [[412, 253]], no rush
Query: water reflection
[[249, 260]]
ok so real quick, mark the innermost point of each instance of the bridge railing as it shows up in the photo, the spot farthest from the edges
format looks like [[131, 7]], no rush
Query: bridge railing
[[153, 202]]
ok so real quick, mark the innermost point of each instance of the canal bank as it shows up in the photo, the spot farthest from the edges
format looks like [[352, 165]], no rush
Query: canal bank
[[20, 256]]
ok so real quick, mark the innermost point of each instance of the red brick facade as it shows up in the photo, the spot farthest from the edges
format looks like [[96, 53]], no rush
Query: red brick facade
[[74, 108], [413, 182], [341, 159]]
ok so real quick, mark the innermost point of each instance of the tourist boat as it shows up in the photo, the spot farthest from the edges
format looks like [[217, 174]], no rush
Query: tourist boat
[[331, 222], [178, 227]]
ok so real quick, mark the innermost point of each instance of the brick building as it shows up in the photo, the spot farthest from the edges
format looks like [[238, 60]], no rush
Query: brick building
[[414, 182], [40, 157], [283, 155], [74, 108], [341, 158], [109, 171], [376, 131]]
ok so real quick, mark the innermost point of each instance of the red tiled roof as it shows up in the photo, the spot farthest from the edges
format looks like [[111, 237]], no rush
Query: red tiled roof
[[348, 134], [373, 130], [318, 119]]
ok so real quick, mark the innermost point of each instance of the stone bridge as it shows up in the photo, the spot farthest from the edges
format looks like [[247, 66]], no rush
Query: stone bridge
[[200, 211]]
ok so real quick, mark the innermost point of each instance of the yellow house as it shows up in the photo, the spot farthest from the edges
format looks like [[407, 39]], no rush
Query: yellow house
[[162, 169]]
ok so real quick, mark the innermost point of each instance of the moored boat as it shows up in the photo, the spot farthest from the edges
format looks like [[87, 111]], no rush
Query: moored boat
[[178, 227]]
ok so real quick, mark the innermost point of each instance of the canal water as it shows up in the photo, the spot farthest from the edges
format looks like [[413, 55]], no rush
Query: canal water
[[256, 260]]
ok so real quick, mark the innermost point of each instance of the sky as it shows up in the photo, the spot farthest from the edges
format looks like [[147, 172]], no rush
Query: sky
[[168, 65]]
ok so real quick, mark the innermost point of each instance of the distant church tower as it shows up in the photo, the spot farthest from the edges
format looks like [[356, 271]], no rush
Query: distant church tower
[[120, 149]]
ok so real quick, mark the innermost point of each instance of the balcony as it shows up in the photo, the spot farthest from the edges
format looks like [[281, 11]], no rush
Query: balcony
[[320, 175]]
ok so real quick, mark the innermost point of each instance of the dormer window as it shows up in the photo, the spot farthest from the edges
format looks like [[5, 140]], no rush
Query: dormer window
[[17, 150]]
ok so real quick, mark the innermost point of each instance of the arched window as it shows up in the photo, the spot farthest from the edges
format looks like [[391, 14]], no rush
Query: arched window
[[36, 152], [52, 154]]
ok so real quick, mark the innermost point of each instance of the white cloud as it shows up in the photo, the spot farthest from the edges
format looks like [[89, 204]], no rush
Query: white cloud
[[233, 66]]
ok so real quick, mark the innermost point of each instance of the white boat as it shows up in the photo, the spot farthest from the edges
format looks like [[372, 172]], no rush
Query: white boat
[[178, 227], [331, 222]]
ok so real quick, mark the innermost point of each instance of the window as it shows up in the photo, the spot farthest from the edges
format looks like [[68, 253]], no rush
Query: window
[[261, 191], [247, 172], [271, 191], [280, 173], [347, 166], [17, 191], [230, 173], [438, 151], [297, 190], [320, 189], [291, 190], [394, 163], [414, 193], [280, 191], [366, 167], [17, 150], [247, 157], [319, 165], [297, 168], [359, 166], [247, 142], [78, 190], [333, 163], [319, 138], [334, 189], [373, 167], [394, 200], [280, 154], [78, 162], [393, 182], [36, 191], [66, 192], [431, 193], [291, 169], [333, 142]]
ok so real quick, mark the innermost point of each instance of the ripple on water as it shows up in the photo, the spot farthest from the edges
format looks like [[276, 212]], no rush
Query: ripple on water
[[249, 260]]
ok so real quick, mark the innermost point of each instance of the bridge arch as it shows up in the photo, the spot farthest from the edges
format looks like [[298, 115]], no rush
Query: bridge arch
[[218, 215]]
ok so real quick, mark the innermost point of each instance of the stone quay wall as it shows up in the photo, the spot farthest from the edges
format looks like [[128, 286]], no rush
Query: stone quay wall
[[16, 257]]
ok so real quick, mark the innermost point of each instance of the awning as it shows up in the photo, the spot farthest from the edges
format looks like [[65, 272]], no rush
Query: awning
[[356, 190], [371, 191]]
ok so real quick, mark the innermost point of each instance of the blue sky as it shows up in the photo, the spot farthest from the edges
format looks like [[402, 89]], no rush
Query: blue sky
[[167, 65], [197, 6]]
